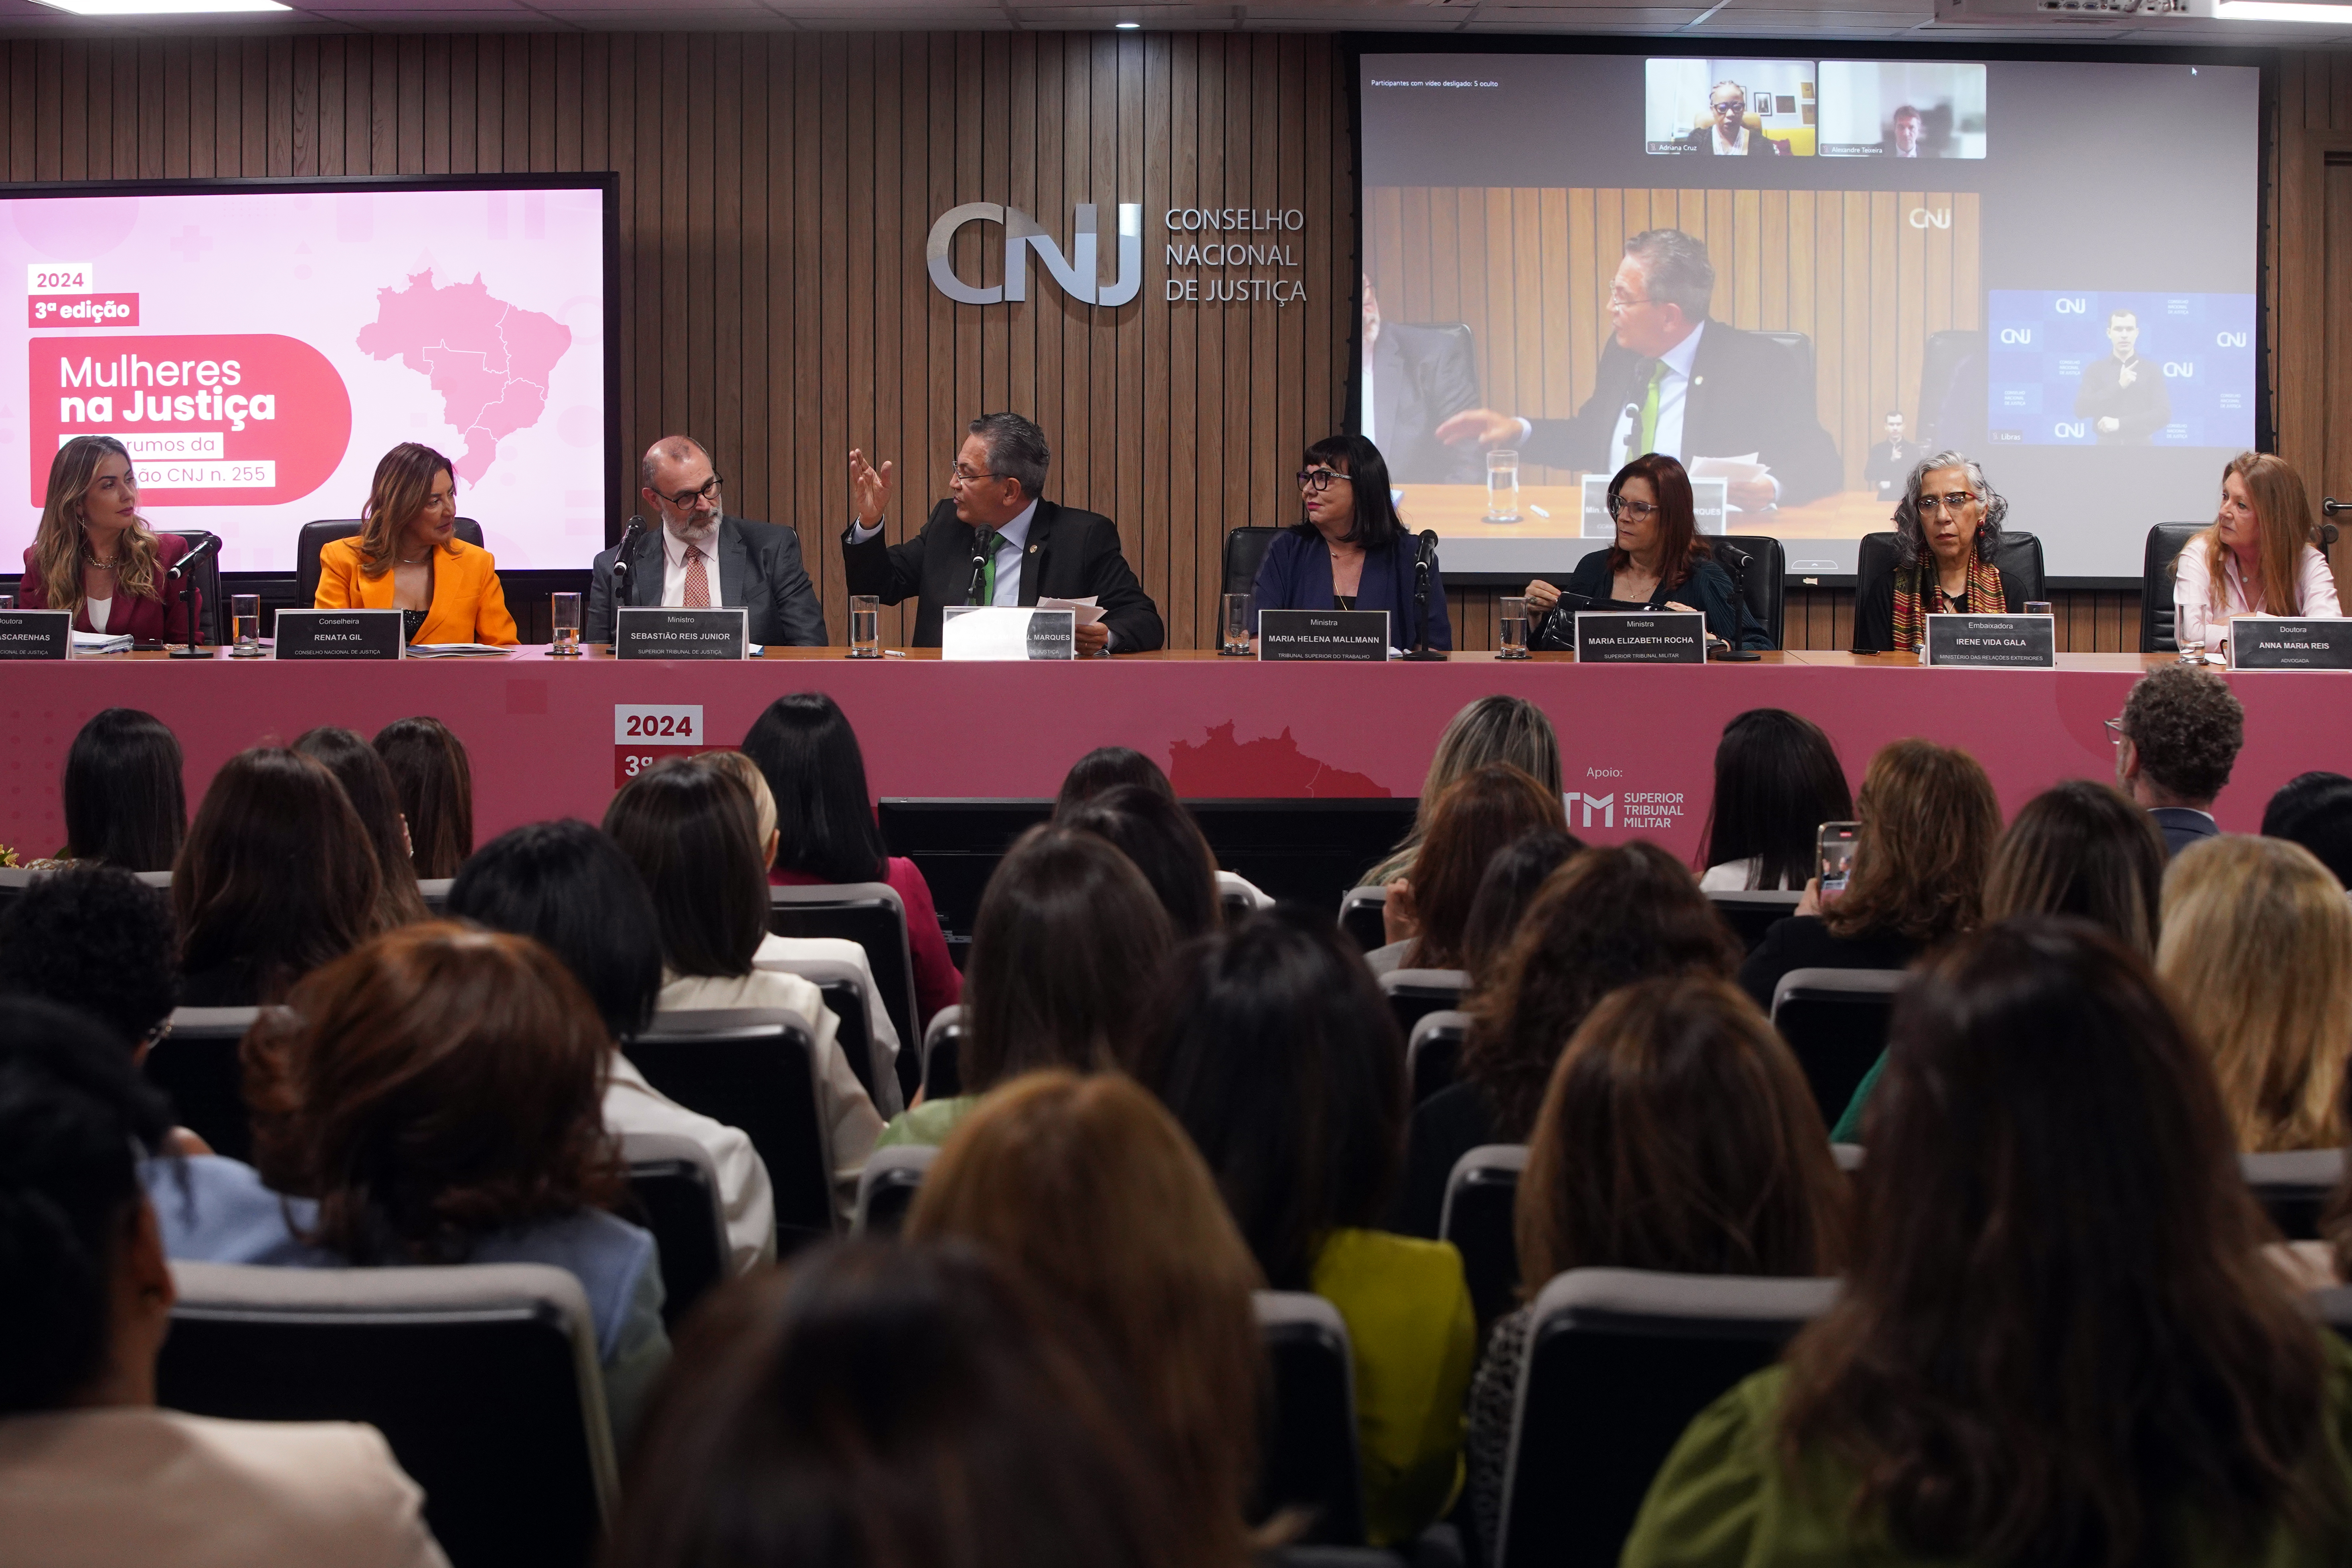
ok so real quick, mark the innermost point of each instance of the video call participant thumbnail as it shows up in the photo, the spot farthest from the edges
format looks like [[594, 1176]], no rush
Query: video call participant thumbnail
[[1728, 134], [707, 559], [1416, 378], [1673, 380], [1904, 141], [2124, 395]]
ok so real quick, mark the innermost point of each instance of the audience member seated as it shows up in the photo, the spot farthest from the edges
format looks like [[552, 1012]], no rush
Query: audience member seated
[[1492, 729], [367, 784], [2058, 1339], [1425, 912], [407, 556], [2175, 745], [2257, 948], [1776, 780], [434, 783], [2256, 559], [1105, 768], [276, 878], [891, 1406], [97, 939], [1094, 1193], [1160, 836], [124, 801], [1274, 1047], [689, 832], [1514, 874], [566, 886], [1677, 1135], [91, 1470], [2315, 810], [1066, 952], [1611, 916], [432, 1097], [1928, 823], [827, 834]]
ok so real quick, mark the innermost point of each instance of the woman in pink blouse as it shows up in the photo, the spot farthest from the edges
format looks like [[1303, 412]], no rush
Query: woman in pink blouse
[[2256, 559]]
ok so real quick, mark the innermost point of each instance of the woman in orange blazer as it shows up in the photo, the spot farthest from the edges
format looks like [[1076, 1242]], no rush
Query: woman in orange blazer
[[407, 556]]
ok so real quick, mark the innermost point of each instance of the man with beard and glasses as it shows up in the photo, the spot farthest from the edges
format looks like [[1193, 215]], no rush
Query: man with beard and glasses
[[698, 556]]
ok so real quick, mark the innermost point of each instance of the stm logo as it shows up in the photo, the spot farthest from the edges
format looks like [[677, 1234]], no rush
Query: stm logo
[[1606, 804]]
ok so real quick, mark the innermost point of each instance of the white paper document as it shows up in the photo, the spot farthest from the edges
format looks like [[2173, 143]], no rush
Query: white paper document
[[456, 651], [1085, 611]]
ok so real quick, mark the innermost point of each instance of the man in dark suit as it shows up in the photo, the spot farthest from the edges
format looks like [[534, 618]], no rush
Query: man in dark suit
[[1725, 136], [994, 541], [1888, 468], [2124, 395], [1673, 380], [697, 555], [1416, 378], [2175, 745]]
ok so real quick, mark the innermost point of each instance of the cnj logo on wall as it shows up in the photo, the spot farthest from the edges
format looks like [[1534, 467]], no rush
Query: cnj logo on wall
[[1075, 274]]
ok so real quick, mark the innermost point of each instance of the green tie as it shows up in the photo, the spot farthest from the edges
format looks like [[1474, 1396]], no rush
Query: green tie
[[984, 542], [1649, 409]]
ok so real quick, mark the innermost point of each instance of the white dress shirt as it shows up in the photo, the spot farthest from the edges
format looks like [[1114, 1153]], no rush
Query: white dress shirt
[[1369, 435], [1673, 389], [632, 1105], [1011, 548], [674, 567], [2201, 617]]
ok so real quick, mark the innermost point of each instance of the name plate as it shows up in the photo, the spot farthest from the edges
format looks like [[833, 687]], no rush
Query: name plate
[[339, 633], [1300, 636], [641, 631], [2259, 642], [35, 633], [1665, 637], [1710, 499], [1993, 642], [1000, 632]]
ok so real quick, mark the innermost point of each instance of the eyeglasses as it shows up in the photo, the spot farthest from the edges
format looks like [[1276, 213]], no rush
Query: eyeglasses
[[1626, 510], [707, 490], [1317, 480], [1620, 300], [961, 475], [1729, 106], [1952, 501], [2116, 731]]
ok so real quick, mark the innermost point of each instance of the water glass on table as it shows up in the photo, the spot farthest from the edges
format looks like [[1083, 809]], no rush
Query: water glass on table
[[1503, 485], [1237, 639], [1512, 636], [864, 625], [244, 622], [564, 618]]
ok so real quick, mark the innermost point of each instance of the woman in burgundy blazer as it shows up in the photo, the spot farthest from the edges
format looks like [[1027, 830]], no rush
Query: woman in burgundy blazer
[[93, 548]]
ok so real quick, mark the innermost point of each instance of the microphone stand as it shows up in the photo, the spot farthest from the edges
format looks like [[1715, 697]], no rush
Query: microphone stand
[[188, 597], [979, 577], [624, 570], [1739, 561], [1421, 652]]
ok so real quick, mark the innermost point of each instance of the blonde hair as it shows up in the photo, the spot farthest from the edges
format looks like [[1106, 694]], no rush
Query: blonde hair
[[747, 773], [58, 546], [403, 484], [1492, 729], [2283, 518], [1091, 1188], [2257, 947]]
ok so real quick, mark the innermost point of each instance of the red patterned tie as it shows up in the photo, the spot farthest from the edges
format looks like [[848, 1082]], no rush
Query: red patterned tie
[[697, 580]]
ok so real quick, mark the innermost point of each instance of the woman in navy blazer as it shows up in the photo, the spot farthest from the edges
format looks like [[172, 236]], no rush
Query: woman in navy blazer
[[1351, 552]]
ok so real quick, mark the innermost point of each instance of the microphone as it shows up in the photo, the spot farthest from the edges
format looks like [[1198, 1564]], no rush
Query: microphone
[[202, 548], [979, 575], [1424, 557], [624, 555]]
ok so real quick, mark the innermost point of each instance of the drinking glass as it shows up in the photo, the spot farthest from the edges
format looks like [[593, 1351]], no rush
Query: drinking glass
[[1514, 634], [7, 601], [864, 625], [245, 614], [1237, 624], [2037, 606], [1503, 485], [564, 616]]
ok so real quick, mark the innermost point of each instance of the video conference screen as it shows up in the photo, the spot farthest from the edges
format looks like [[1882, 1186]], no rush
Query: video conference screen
[[258, 350], [1801, 277]]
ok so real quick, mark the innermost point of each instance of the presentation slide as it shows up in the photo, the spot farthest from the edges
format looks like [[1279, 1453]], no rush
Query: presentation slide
[[1802, 277], [257, 350]]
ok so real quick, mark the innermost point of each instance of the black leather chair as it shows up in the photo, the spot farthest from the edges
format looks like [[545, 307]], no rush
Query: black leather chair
[[1246, 551], [753, 1068], [2165, 542], [1944, 359], [1762, 578], [1480, 1196], [1750, 915], [210, 609], [197, 1067], [1308, 1460], [871, 915], [1798, 343], [674, 1188], [887, 1187], [1432, 1051], [942, 1069], [316, 536], [2020, 554], [2294, 1187], [1414, 993], [1835, 1021], [1361, 916]]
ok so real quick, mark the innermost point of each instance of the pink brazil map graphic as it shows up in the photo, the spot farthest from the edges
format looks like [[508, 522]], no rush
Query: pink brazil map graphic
[[488, 360]]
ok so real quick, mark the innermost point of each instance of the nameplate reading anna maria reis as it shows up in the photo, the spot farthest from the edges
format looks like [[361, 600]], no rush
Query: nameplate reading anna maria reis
[[35, 633], [337, 634], [641, 632], [1615, 636], [2258, 642], [1298, 637], [1992, 642]]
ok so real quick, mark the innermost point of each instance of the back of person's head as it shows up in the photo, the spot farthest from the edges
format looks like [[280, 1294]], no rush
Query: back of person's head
[[1151, 829], [1092, 1190], [1276, 1049], [1105, 768], [1776, 780], [690, 833], [2185, 726], [1679, 1134], [2315, 810], [435, 785], [437, 1084], [96, 937], [367, 783], [568, 887], [277, 875], [2058, 1330], [1609, 916], [825, 819], [746, 771], [2257, 946], [1065, 951], [1514, 873], [75, 1119], [1479, 815], [876, 1405], [1492, 729], [125, 801], [1929, 821], [2083, 849]]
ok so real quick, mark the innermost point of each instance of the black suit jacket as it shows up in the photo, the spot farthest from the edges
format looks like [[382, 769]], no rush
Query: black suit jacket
[[759, 569], [2143, 408], [2182, 825], [1423, 376], [1741, 400], [1072, 555]]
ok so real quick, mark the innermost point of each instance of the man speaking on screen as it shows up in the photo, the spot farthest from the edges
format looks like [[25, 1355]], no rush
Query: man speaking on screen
[[2124, 395], [1675, 381]]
